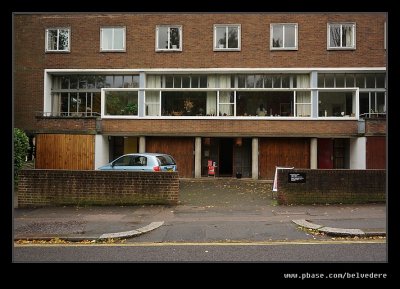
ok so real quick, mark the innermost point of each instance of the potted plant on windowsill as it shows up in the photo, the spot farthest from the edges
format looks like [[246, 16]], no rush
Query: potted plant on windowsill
[[130, 109], [174, 39]]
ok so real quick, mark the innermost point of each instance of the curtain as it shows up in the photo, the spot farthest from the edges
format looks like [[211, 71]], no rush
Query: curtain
[[56, 104], [303, 81], [152, 98], [211, 96], [225, 108]]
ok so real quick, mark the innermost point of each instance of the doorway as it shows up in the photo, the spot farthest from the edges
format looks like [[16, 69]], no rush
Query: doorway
[[225, 157]]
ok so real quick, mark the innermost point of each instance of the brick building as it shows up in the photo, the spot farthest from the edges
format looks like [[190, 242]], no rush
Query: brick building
[[249, 91]]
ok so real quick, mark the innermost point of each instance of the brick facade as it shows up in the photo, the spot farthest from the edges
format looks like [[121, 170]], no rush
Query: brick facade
[[64, 125], [332, 186], [60, 187], [231, 127], [375, 127], [31, 58]]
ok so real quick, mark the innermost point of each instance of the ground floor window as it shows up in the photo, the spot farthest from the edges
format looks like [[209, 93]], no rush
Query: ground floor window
[[372, 104], [187, 103]]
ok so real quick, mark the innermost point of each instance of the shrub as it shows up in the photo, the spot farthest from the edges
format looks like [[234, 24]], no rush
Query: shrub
[[21, 146]]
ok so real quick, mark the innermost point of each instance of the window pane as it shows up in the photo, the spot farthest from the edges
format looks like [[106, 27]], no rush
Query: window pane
[[63, 39], [64, 104], [109, 81], [350, 80], [106, 38], [277, 81], [339, 80], [73, 103], [380, 101], [268, 81], [364, 103], [128, 81], [220, 40], [195, 81], [380, 80], [329, 80], [277, 36], [290, 32], [52, 40], [118, 81], [135, 81], [250, 81], [118, 38], [334, 36], [121, 102], [259, 79], [64, 82], [233, 37], [162, 38], [73, 82], [82, 82], [370, 80], [100, 81], [96, 106], [169, 81], [177, 81], [347, 36], [203, 81], [360, 80], [285, 81], [241, 81], [174, 38], [321, 78], [186, 81]]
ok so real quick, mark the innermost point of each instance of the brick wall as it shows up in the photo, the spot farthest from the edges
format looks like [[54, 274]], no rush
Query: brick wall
[[61, 187], [332, 186], [375, 127], [62, 124], [231, 127]]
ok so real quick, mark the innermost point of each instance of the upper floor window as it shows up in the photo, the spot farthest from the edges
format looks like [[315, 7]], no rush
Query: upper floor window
[[341, 36], [169, 38], [57, 39], [112, 39], [283, 37], [226, 37]]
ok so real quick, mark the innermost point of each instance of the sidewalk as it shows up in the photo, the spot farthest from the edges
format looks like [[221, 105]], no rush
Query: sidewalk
[[210, 210]]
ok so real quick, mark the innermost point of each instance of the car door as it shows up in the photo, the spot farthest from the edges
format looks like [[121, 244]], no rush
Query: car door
[[123, 163]]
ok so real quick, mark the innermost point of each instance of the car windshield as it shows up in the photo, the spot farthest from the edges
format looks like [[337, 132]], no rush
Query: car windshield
[[166, 160]]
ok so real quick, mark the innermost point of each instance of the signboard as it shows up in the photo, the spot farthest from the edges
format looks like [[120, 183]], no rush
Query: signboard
[[296, 177]]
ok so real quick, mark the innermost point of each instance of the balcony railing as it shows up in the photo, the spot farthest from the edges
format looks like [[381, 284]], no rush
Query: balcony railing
[[373, 115]]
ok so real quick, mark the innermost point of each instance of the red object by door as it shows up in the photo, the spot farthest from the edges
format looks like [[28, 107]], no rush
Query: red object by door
[[325, 153]]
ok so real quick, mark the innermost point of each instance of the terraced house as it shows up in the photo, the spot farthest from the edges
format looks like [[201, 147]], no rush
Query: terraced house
[[249, 91]]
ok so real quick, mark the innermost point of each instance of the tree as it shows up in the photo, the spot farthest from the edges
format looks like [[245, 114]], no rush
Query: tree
[[21, 147]]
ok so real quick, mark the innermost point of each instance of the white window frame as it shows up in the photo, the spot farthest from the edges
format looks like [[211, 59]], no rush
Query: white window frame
[[353, 47], [283, 29], [113, 30], [169, 29], [238, 26], [58, 32]]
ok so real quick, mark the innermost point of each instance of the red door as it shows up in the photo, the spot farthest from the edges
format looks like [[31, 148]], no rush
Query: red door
[[325, 153]]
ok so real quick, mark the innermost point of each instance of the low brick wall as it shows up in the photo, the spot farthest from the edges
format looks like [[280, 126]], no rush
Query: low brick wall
[[63, 187], [331, 186]]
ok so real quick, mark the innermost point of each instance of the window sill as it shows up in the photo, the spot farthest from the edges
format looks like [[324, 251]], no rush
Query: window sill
[[341, 48], [168, 50], [284, 49], [107, 51], [226, 49], [57, 51]]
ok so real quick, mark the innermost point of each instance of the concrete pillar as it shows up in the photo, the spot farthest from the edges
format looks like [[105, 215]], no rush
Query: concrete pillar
[[142, 144], [314, 153], [197, 157], [358, 153], [254, 158], [101, 151], [314, 94]]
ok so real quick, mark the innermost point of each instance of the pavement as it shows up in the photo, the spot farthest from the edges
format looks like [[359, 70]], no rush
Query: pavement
[[210, 210]]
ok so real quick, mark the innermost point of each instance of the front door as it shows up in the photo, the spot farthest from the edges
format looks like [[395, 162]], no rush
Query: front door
[[225, 157], [325, 153]]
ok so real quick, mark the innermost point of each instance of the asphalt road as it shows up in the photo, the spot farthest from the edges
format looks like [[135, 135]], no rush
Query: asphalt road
[[317, 251]]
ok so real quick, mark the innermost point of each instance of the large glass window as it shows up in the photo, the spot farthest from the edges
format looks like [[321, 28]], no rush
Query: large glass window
[[185, 103], [335, 104], [121, 103], [226, 37], [152, 103], [112, 39], [169, 38], [283, 36], [341, 36], [57, 39]]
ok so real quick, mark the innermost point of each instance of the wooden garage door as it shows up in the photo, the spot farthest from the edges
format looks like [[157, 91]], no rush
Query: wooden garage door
[[376, 152], [291, 152], [64, 151], [180, 148]]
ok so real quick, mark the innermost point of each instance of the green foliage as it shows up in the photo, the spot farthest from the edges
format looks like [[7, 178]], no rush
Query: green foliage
[[21, 146], [130, 109]]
